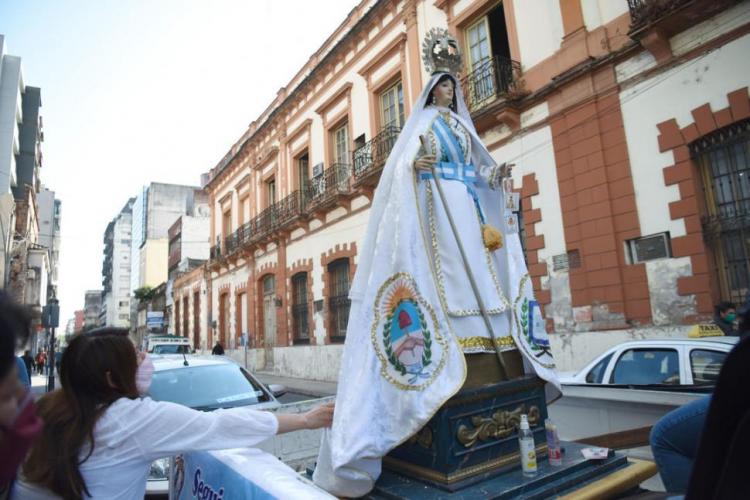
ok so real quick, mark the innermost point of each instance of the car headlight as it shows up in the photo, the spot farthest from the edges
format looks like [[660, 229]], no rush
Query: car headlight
[[159, 469]]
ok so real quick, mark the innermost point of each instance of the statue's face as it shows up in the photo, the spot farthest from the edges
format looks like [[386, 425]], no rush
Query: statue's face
[[443, 93]]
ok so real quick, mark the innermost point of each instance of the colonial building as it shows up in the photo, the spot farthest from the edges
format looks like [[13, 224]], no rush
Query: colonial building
[[628, 125]]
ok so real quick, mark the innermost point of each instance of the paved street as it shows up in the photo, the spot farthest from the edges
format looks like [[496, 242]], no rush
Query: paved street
[[298, 386]]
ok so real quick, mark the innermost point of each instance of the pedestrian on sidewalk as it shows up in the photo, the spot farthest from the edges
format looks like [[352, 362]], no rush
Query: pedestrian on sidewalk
[[99, 416], [41, 359], [218, 349], [19, 424], [28, 361]]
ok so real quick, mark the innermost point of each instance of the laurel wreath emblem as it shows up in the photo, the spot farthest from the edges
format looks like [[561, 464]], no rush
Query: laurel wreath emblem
[[426, 354], [525, 325]]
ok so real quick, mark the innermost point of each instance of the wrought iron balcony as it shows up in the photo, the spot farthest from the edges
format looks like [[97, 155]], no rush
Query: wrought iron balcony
[[215, 252], [231, 243], [323, 191], [671, 15], [290, 208], [490, 81], [276, 217], [370, 159]]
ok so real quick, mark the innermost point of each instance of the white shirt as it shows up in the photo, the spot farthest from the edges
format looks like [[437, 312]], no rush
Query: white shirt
[[132, 433]]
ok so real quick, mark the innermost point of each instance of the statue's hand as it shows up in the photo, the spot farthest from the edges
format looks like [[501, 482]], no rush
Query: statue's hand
[[506, 169], [425, 162]]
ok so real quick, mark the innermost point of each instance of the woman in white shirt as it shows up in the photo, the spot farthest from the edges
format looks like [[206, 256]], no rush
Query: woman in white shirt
[[100, 435]]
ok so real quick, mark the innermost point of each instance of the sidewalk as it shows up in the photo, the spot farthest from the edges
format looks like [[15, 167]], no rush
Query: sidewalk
[[39, 384], [315, 388]]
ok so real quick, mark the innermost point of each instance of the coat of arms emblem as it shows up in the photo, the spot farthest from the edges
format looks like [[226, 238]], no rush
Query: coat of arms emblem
[[405, 334]]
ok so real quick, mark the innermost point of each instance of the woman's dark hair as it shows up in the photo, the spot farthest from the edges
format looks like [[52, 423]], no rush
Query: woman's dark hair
[[97, 368], [15, 325], [443, 78]]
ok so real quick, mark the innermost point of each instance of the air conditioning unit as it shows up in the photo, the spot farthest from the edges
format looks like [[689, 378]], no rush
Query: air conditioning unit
[[318, 170]]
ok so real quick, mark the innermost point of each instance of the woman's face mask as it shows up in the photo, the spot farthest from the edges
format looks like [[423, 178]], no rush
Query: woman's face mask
[[730, 317], [144, 374]]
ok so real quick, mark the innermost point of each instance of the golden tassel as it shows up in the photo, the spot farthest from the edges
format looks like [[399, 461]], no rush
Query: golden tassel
[[493, 239]]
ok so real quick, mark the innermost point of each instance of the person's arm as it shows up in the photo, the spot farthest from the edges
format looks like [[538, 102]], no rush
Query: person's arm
[[161, 428], [322, 416]]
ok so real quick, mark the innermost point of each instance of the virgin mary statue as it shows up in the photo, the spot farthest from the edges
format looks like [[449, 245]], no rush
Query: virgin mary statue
[[428, 291]]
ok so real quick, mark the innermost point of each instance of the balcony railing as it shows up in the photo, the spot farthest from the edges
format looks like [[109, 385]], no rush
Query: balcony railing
[[671, 16], [323, 191], [273, 218], [215, 252], [370, 158], [645, 11], [490, 80]]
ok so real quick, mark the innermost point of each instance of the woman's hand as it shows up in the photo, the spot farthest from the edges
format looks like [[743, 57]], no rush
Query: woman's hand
[[425, 162], [321, 416]]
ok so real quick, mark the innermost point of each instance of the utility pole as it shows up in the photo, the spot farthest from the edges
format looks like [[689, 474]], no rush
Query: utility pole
[[51, 320]]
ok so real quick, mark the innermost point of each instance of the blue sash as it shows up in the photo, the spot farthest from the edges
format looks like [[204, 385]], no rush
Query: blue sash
[[456, 169]]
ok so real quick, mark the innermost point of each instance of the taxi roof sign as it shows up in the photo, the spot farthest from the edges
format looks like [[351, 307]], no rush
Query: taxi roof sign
[[705, 330]]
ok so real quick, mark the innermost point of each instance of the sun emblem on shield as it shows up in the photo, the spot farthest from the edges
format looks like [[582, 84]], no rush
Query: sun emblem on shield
[[407, 338]]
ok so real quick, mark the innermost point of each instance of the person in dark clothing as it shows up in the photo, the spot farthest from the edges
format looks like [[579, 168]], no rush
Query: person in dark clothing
[[218, 349], [28, 361], [726, 313], [721, 464]]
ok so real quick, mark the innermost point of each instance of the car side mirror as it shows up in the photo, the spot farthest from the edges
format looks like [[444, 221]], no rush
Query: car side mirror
[[277, 390]]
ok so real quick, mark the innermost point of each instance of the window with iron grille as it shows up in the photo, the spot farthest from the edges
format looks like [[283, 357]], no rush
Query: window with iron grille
[[300, 324], [338, 301], [724, 159]]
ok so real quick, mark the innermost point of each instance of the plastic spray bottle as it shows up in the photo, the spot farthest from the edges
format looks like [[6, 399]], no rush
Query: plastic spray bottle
[[554, 452], [528, 450]]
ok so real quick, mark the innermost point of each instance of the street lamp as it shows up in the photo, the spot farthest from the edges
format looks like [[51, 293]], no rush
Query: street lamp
[[51, 320]]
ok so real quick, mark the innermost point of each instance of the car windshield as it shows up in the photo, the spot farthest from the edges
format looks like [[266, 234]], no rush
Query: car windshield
[[171, 349], [207, 387]]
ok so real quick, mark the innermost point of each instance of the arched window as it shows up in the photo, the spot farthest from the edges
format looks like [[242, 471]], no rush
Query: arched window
[[338, 300]]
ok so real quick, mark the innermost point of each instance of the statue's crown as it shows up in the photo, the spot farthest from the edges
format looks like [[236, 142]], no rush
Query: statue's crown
[[440, 52]]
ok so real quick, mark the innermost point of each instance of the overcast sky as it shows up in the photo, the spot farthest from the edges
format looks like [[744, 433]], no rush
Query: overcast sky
[[135, 91]]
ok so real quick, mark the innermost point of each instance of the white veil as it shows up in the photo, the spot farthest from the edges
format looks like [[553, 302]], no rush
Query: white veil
[[406, 147], [373, 414]]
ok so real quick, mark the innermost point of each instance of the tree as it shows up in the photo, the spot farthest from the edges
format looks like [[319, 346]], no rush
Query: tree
[[144, 293]]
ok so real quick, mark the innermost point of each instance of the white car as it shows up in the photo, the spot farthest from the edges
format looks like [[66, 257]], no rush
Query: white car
[[203, 383], [657, 362]]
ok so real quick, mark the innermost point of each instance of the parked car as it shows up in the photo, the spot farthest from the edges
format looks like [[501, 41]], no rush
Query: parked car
[[166, 344], [676, 362], [204, 383]]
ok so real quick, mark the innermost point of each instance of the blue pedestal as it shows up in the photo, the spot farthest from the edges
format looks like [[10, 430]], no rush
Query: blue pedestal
[[549, 482], [474, 434]]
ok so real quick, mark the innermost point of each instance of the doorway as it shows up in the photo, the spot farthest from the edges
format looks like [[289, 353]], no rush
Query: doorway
[[269, 319]]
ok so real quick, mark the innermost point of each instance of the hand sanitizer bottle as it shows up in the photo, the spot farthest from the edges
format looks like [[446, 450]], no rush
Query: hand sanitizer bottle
[[554, 452], [528, 450]]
